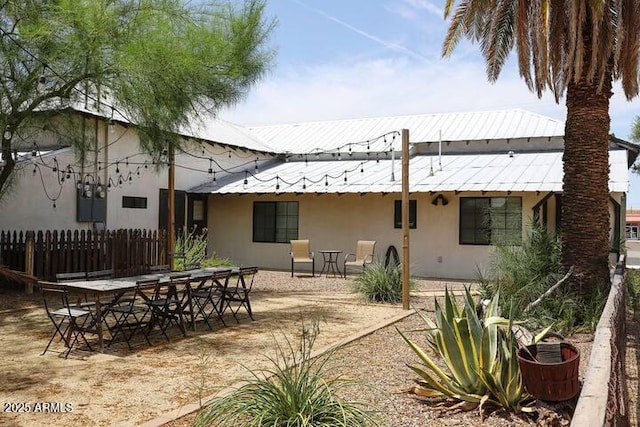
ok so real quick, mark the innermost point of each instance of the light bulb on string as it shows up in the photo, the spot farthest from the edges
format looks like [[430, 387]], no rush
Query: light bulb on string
[[345, 177], [277, 182], [245, 182], [256, 166], [377, 158], [361, 167], [339, 156], [117, 168], [304, 183], [350, 153], [326, 180]]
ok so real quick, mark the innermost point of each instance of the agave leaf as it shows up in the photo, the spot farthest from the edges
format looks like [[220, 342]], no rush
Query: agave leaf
[[539, 337], [444, 387], [424, 357], [422, 391], [450, 308], [450, 346]]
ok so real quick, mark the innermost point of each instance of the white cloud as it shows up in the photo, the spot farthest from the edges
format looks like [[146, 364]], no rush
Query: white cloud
[[380, 87]]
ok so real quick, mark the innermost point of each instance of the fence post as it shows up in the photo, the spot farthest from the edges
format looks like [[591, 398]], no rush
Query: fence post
[[29, 253]]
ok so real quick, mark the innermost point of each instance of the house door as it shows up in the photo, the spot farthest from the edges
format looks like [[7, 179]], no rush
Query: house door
[[179, 210], [197, 212]]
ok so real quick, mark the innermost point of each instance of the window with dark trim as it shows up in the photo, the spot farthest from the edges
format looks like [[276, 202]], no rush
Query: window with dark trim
[[275, 222], [487, 220], [397, 213], [134, 202]]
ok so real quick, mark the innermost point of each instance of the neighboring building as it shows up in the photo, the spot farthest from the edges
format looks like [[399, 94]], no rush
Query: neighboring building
[[632, 224], [473, 178]]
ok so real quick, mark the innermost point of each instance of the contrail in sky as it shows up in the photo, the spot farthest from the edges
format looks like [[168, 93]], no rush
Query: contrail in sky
[[388, 45]]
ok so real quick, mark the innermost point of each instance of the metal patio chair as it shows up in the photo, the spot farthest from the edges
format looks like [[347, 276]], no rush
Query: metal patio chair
[[301, 254], [131, 314], [237, 297], [365, 251], [167, 306], [208, 297], [69, 321]]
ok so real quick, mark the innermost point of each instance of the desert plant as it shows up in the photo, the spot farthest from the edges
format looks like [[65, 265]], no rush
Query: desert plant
[[295, 392], [479, 356], [379, 283], [525, 272], [192, 247]]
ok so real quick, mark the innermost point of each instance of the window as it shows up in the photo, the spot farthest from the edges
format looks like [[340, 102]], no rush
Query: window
[[275, 222], [134, 202], [485, 220], [397, 214]]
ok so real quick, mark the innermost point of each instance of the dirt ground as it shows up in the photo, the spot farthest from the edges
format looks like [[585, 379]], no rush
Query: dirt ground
[[122, 387]]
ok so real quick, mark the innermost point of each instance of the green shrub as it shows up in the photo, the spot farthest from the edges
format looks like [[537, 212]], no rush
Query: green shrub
[[295, 392], [525, 272], [378, 283], [194, 248]]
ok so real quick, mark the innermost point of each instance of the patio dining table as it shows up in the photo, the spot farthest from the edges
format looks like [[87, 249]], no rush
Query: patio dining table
[[117, 287]]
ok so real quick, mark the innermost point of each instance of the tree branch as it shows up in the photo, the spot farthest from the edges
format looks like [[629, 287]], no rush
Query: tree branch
[[548, 292]]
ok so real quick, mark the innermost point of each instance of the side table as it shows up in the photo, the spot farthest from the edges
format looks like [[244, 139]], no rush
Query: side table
[[330, 257]]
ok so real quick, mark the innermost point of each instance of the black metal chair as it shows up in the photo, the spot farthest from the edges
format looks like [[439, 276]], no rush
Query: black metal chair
[[100, 274], [207, 297], [237, 297], [69, 321], [166, 305], [131, 315], [71, 277]]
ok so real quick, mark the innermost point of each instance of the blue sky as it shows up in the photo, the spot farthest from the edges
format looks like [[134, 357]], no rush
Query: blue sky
[[341, 59]]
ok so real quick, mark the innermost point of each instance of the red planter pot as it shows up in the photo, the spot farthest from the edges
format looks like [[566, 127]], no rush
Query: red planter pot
[[551, 381]]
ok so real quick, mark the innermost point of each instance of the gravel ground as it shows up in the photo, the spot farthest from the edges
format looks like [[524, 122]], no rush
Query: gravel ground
[[378, 362]]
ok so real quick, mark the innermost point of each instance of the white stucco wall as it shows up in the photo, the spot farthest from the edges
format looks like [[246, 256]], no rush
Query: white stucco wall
[[26, 206], [338, 221]]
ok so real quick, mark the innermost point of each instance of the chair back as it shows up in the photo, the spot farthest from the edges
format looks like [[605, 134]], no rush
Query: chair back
[[365, 250], [100, 274], [246, 276], [71, 277], [160, 268], [300, 249], [55, 296]]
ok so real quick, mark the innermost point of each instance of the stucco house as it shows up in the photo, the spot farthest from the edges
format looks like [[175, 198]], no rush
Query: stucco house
[[334, 182]]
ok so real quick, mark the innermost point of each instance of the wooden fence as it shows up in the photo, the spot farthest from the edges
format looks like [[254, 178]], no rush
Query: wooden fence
[[43, 254]]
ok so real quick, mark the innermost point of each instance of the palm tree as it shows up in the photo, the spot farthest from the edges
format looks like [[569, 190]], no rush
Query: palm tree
[[577, 47]]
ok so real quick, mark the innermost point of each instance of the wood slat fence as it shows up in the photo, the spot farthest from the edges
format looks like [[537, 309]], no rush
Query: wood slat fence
[[43, 254]]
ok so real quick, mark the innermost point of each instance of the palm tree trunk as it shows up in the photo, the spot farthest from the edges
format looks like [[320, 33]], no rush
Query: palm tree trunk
[[585, 201]]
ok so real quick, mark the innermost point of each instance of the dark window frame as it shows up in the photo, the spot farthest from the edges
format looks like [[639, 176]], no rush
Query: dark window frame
[[275, 222], [477, 226], [413, 214], [133, 202]]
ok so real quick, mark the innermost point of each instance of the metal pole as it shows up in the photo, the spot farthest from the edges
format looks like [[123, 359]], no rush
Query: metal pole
[[171, 237], [405, 219]]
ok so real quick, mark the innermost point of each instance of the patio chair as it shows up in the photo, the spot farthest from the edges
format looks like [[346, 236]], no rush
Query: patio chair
[[78, 276], [71, 277], [160, 268], [100, 274], [69, 322], [166, 304], [131, 315], [237, 297], [365, 250], [208, 297], [301, 254]]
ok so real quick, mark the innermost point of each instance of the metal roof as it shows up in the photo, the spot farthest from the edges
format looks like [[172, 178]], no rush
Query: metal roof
[[482, 125], [461, 172]]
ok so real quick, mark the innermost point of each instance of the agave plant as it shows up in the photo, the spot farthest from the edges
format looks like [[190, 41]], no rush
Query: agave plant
[[479, 356]]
